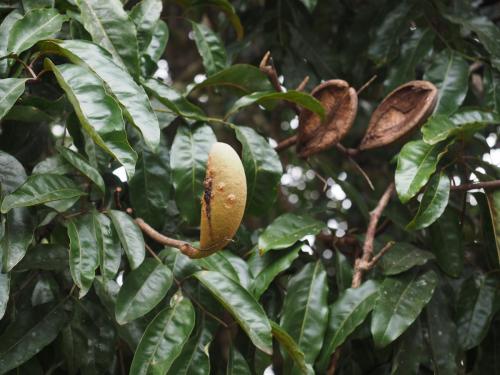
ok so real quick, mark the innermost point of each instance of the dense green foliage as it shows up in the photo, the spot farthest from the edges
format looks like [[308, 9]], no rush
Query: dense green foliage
[[108, 110]]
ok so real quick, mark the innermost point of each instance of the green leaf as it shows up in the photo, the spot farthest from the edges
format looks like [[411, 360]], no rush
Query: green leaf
[[5, 28], [54, 165], [241, 305], [210, 48], [236, 364], [36, 25], [83, 250], [174, 101], [4, 292], [287, 229], [188, 163], [417, 161], [40, 189], [309, 4], [271, 264], [450, 73], [218, 262], [130, 237], [402, 257], [411, 352], [244, 78], [77, 161], [158, 42], [389, 31], [150, 188], [33, 4], [475, 309], [440, 127], [163, 339], [433, 202], [343, 271], [28, 334], [49, 257], [111, 28], [346, 314], [226, 7], [292, 349], [305, 311], [145, 15], [99, 114], [12, 173], [493, 199], [412, 53], [443, 339], [19, 233], [266, 97], [263, 170], [10, 90], [446, 243], [110, 251], [142, 290], [128, 93], [400, 302]]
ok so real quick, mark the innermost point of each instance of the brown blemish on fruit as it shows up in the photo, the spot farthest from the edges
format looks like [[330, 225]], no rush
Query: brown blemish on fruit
[[220, 186], [230, 199], [207, 196]]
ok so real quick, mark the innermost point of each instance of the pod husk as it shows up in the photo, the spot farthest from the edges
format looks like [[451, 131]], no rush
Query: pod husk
[[403, 110], [340, 102]]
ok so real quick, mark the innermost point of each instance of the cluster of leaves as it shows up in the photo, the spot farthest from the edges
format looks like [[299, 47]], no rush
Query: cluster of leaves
[[81, 289]]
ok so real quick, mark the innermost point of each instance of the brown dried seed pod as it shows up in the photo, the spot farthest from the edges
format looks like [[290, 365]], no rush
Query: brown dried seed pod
[[341, 104], [403, 110]]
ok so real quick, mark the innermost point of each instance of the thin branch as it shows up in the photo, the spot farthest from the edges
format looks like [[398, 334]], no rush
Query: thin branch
[[478, 185], [185, 247], [286, 143], [302, 85], [153, 254], [368, 83]]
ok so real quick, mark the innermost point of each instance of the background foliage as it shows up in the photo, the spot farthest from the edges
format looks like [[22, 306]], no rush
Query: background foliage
[[109, 105]]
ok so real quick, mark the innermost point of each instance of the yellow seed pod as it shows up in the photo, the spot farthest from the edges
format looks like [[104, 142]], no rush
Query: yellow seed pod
[[224, 198]]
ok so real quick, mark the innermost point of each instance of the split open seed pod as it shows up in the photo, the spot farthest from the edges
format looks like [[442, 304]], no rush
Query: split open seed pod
[[340, 102], [403, 110], [224, 199]]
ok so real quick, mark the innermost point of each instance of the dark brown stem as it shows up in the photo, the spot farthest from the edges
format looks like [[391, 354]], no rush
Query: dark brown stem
[[302, 85], [286, 143], [185, 247], [368, 83], [478, 185]]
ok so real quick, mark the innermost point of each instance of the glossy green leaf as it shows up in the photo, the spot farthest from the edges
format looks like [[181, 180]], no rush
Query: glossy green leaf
[[10, 90], [99, 114], [33, 4], [305, 312], [4, 292], [309, 4], [163, 339], [130, 237], [145, 14], [263, 170], [35, 25], [402, 257], [210, 48], [218, 262], [49, 257], [120, 83], [475, 309], [5, 27], [287, 229], [412, 52], [40, 189], [433, 202], [110, 251], [493, 199], [343, 271], [150, 188], [347, 313], [83, 251], [12, 173], [188, 163], [411, 352], [272, 264], [158, 42], [53, 165], [142, 290], [446, 243], [111, 28], [77, 161], [401, 300], [266, 97], [417, 161], [28, 335], [292, 349], [450, 73], [440, 127], [244, 78], [242, 306], [236, 364], [19, 233], [443, 339], [173, 100], [226, 7]]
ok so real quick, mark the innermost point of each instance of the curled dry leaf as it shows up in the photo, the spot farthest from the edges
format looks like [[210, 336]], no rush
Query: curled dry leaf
[[403, 110], [341, 104]]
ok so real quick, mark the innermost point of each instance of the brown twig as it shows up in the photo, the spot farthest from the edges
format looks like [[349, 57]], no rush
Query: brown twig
[[477, 185], [286, 143], [366, 84], [302, 85], [185, 247]]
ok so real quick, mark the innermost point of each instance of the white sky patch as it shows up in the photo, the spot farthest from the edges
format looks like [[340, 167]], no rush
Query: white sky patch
[[272, 142], [199, 78], [310, 238], [57, 130], [307, 249], [121, 174], [294, 123]]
